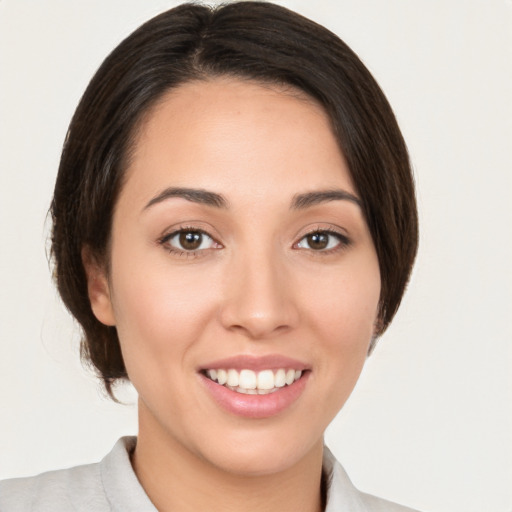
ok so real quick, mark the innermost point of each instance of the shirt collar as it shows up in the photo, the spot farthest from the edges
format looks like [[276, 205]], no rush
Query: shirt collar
[[122, 488], [341, 493]]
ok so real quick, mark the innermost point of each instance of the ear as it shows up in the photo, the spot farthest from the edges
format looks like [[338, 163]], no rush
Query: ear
[[98, 288]]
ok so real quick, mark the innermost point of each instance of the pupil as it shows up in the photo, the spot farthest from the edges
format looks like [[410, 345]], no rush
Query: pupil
[[190, 240], [318, 241]]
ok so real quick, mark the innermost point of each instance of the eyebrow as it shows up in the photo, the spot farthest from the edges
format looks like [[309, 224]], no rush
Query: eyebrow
[[299, 201], [193, 195], [302, 201]]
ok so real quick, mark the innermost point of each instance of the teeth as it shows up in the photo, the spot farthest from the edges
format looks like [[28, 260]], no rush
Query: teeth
[[280, 379], [252, 383], [233, 378], [222, 376], [266, 379], [247, 379]]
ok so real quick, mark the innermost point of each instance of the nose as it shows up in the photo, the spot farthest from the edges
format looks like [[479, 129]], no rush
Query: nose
[[259, 299]]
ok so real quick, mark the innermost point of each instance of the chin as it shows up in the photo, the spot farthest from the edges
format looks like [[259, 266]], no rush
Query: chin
[[260, 455]]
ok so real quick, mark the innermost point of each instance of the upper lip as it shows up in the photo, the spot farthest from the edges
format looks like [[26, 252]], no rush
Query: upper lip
[[256, 363]]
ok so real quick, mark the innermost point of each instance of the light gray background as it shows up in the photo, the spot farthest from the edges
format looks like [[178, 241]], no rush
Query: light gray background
[[430, 423]]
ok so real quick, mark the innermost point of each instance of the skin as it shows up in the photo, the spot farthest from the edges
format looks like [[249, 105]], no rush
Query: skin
[[257, 287]]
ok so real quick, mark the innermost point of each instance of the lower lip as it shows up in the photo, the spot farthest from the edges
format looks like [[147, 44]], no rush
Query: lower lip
[[256, 406]]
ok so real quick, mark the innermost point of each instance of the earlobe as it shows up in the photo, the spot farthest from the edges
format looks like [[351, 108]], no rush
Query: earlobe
[[98, 288]]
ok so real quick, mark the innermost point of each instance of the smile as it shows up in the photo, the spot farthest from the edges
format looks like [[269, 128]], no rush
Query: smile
[[254, 383]]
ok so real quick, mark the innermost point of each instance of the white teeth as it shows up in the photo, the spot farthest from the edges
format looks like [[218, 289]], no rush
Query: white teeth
[[254, 383], [222, 377], [233, 378], [290, 377], [280, 378], [247, 379], [266, 379]]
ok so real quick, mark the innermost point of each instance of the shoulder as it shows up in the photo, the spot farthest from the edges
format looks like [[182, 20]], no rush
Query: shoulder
[[108, 486], [79, 488], [343, 495], [374, 504]]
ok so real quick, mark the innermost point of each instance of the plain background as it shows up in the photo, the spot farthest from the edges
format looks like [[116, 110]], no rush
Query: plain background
[[430, 422]]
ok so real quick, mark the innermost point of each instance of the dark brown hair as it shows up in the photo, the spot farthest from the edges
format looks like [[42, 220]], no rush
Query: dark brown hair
[[252, 40]]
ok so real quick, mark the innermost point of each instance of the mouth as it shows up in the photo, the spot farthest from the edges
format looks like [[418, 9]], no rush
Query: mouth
[[255, 387], [249, 382]]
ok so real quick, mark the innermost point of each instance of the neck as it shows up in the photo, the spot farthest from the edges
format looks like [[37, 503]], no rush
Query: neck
[[176, 479]]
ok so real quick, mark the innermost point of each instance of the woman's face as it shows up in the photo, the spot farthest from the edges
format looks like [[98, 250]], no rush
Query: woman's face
[[239, 251]]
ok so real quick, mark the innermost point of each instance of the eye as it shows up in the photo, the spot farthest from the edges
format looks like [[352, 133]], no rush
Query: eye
[[189, 240], [322, 241]]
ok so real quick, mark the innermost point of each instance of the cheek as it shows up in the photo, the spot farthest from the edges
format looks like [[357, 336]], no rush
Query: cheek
[[345, 303], [342, 310], [159, 313]]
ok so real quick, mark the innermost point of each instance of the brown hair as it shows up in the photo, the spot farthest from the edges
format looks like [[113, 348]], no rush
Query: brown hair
[[254, 40]]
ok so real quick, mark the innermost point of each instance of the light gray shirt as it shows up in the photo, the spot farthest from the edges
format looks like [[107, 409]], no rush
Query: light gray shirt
[[111, 486]]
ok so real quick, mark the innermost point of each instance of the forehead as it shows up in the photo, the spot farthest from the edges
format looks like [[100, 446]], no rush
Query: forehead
[[231, 135]]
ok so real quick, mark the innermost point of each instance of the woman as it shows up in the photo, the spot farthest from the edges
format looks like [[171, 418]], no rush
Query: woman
[[234, 225]]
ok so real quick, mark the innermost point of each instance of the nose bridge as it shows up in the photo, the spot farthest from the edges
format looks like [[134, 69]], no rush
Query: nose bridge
[[258, 298]]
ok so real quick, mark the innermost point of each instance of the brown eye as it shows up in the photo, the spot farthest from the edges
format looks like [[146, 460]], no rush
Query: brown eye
[[317, 241], [323, 241], [190, 240]]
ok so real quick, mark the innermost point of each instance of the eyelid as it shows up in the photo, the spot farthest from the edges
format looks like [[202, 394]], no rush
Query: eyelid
[[325, 227], [177, 234], [344, 240], [191, 225], [174, 231]]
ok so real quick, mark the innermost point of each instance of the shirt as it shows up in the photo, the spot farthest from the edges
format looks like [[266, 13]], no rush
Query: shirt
[[112, 486]]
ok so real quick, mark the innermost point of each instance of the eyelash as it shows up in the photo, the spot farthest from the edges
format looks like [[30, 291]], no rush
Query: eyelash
[[343, 242], [165, 242]]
